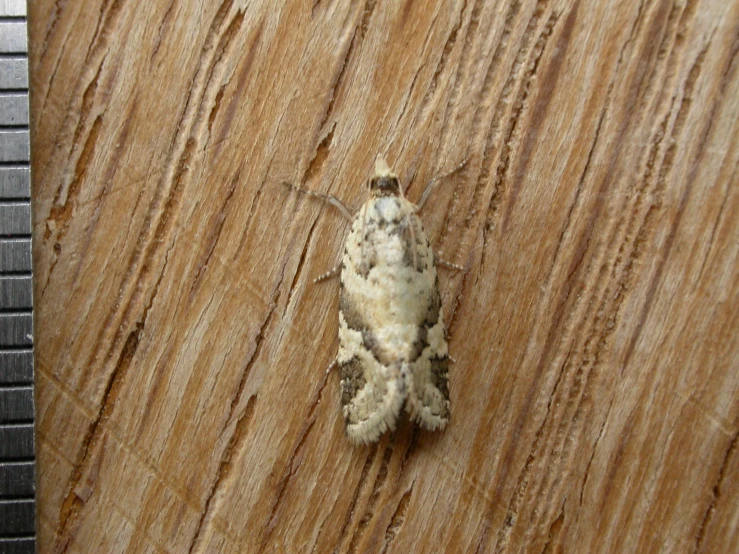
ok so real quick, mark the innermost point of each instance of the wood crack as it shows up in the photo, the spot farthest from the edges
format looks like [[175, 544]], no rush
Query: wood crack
[[525, 70], [208, 102], [108, 15], [715, 494], [555, 532], [586, 474], [357, 38], [239, 422], [301, 262], [667, 166], [719, 220], [523, 479], [496, 118], [368, 462], [315, 166], [465, 61], [374, 496], [112, 165], [63, 204], [425, 105], [235, 444], [294, 462], [235, 98], [74, 502], [51, 25], [546, 87], [214, 235], [62, 212], [398, 518], [163, 29]]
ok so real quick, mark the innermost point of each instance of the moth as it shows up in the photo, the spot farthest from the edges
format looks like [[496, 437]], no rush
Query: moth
[[393, 353]]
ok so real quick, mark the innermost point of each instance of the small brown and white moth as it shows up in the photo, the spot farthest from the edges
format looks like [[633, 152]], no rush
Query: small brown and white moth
[[392, 341]]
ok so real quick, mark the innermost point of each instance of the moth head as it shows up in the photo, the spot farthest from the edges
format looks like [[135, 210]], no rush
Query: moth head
[[384, 182]]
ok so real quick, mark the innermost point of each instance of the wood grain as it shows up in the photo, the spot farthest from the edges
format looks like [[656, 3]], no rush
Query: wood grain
[[181, 345]]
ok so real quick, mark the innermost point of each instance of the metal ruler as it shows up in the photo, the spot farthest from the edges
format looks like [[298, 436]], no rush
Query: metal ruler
[[17, 452]]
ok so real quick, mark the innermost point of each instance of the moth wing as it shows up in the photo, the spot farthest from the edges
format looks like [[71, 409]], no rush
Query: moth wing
[[371, 398], [427, 402], [428, 394]]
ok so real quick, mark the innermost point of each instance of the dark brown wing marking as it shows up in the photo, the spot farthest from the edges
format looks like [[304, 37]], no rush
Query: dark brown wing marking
[[440, 375], [352, 380]]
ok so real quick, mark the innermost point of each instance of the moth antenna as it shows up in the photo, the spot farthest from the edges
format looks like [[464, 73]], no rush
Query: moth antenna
[[335, 202], [433, 182]]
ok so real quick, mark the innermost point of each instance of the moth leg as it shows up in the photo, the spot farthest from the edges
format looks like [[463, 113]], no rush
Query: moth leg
[[450, 265], [456, 267], [433, 182], [335, 202], [335, 271], [332, 365]]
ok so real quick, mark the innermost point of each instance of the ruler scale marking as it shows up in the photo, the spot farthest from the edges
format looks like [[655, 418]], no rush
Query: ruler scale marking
[[17, 447]]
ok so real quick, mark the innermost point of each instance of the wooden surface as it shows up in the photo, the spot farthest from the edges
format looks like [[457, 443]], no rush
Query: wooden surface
[[181, 346]]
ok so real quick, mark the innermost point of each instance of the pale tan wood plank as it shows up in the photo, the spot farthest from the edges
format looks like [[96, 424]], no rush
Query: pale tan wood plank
[[181, 346]]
